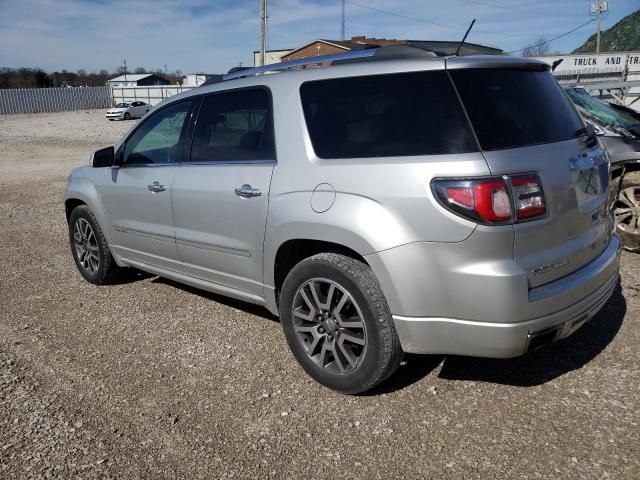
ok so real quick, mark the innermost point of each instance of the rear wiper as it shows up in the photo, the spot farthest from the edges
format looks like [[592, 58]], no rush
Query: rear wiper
[[590, 133], [581, 131]]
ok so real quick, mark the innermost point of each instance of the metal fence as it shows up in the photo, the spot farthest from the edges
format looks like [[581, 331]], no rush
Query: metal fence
[[151, 95], [33, 100]]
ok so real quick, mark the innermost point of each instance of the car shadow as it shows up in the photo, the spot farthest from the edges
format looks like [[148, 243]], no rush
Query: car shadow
[[549, 362], [130, 275], [412, 369], [535, 368], [250, 308]]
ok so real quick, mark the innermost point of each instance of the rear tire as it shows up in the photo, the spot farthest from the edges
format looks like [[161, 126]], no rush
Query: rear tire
[[90, 249], [343, 336], [627, 211]]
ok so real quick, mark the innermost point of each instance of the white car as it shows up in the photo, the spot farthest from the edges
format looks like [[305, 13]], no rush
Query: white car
[[127, 111]]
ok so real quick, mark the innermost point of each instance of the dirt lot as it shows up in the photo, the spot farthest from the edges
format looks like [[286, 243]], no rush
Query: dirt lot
[[149, 379]]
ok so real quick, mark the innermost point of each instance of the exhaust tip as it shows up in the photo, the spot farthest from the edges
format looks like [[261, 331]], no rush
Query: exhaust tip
[[541, 339]]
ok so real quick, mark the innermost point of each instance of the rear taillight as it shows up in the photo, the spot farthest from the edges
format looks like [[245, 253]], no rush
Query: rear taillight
[[505, 199], [528, 197]]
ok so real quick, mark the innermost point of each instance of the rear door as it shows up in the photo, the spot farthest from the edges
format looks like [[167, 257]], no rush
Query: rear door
[[220, 197], [526, 124], [137, 197]]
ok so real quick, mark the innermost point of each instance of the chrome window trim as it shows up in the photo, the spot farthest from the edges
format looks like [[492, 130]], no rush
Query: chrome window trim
[[203, 163], [230, 162]]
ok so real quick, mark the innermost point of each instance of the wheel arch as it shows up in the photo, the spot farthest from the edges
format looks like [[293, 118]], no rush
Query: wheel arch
[[70, 204], [82, 191], [293, 251], [628, 166]]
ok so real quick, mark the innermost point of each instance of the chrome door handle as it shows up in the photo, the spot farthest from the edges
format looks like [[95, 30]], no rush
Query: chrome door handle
[[247, 191], [155, 187]]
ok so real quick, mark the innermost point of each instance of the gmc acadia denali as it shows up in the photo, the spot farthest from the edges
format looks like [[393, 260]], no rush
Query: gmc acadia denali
[[396, 201]]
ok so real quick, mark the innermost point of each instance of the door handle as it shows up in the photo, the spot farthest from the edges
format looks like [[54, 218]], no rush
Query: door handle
[[155, 187], [247, 191]]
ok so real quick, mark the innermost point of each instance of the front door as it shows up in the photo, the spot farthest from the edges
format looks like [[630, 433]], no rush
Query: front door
[[137, 197], [220, 197]]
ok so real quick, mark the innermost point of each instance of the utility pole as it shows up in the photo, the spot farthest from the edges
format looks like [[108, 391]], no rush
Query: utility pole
[[342, 34], [263, 31], [166, 72], [125, 69], [598, 8]]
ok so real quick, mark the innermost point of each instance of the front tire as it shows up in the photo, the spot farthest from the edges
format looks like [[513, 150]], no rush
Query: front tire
[[90, 249], [127, 116], [337, 323], [627, 211]]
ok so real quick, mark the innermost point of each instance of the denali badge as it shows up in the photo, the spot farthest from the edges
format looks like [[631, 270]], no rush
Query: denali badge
[[551, 266]]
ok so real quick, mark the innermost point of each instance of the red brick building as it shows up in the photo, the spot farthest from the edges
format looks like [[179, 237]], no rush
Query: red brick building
[[326, 47]]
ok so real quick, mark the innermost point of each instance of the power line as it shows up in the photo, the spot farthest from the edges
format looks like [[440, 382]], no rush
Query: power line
[[515, 9], [554, 38], [462, 28], [386, 12]]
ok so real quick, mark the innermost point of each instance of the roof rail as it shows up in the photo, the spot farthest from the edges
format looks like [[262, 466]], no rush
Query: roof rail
[[366, 52]]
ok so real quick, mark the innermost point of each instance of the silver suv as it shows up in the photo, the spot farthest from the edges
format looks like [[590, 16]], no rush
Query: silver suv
[[389, 203]]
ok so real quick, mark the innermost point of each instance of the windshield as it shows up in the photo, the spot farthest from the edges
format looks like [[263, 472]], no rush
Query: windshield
[[122, 105], [602, 111]]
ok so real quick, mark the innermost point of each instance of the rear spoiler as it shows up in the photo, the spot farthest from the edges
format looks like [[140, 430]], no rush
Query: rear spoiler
[[496, 61]]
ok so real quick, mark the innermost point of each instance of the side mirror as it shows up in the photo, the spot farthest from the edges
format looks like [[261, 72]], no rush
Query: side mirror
[[103, 158]]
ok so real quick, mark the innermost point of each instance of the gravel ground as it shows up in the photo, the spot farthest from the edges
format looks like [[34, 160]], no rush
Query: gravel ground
[[149, 379]]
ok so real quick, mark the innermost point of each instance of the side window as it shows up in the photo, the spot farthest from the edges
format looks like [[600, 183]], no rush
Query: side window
[[399, 114], [156, 141], [234, 126]]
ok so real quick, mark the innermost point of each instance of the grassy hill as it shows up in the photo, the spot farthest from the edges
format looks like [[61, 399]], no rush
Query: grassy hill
[[624, 35]]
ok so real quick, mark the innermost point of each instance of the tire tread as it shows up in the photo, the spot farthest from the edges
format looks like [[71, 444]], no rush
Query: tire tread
[[391, 351]]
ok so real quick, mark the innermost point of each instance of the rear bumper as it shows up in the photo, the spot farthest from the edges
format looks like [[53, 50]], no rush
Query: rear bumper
[[498, 340], [488, 310]]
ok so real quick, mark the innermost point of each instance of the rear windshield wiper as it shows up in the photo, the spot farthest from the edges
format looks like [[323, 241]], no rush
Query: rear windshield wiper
[[581, 131], [590, 133]]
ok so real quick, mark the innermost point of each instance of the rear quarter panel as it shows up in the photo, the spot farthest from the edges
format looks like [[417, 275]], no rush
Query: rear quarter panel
[[380, 203]]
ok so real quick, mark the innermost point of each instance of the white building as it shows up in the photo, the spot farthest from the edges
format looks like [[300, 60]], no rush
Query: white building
[[271, 56], [197, 79], [137, 80], [608, 67]]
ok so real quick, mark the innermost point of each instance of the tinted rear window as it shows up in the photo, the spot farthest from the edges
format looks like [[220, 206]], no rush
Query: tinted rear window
[[515, 108], [234, 126], [385, 115]]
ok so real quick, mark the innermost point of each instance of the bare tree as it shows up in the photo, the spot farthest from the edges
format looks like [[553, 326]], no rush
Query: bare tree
[[140, 70], [537, 49]]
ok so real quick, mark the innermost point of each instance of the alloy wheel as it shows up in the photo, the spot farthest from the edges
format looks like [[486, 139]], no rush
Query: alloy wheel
[[86, 245], [329, 325], [627, 210]]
